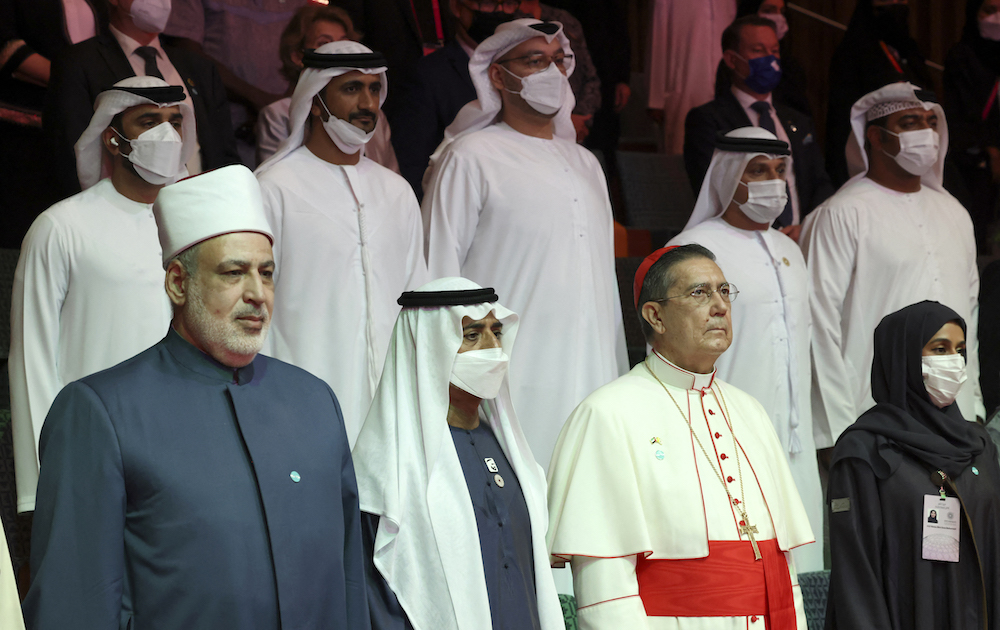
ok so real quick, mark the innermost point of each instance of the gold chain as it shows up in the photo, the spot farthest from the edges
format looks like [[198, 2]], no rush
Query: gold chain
[[741, 504]]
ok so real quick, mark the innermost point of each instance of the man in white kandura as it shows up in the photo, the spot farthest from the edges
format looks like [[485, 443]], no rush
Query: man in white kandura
[[453, 512], [512, 202], [344, 219], [88, 289], [890, 237], [744, 191], [669, 492]]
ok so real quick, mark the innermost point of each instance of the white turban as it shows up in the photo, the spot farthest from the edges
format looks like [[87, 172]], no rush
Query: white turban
[[198, 208], [123, 95], [896, 95], [726, 170], [409, 474], [312, 81], [483, 111]]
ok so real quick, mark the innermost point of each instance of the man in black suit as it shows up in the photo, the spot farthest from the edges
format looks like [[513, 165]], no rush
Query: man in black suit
[[84, 70], [752, 57]]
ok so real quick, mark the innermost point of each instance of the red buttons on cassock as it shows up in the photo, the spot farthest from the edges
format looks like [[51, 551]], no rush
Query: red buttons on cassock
[[711, 413], [717, 435], [723, 456], [729, 479], [753, 619]]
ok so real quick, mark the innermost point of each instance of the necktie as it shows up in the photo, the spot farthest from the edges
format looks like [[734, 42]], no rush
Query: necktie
[[763, 109], [148, 53]]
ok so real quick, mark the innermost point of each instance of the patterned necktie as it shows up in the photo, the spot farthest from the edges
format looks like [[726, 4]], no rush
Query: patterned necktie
[[148, 53], [763, 109]]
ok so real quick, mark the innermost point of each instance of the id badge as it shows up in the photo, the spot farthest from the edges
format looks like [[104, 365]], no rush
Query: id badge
[[941, 519]]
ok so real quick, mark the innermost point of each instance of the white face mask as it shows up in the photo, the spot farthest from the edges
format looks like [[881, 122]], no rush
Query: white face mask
[[765, 201], [150, 16], [480, 372], [918, 150], [544, 91], [943, 377], [780, 23], [348, 138], [989, 27], [156, 154]]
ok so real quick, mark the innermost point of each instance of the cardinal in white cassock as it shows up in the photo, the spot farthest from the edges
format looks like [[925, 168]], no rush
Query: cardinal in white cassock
[[669, 491], [743, 193]]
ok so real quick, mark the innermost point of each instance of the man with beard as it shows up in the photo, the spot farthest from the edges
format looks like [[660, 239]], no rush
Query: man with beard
[[334, 209], [200, 485]]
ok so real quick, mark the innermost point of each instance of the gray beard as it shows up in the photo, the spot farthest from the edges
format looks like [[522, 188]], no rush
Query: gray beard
[[226, 333]]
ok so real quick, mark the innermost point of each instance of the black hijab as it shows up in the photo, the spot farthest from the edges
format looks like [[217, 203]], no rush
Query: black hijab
[[986, 50], [904, 419]]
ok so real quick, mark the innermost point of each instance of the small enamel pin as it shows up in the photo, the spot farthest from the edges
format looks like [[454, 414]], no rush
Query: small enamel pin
[[655, 440]]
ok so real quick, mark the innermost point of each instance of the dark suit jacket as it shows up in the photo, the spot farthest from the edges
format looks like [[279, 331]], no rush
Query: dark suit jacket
[[86, 69], [176, 492], [442, 86], [725, 114]]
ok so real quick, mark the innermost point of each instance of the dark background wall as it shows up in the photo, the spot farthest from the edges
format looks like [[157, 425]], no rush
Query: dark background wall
[[935, 24]]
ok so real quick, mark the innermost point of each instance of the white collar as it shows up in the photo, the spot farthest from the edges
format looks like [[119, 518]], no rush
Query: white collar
[[746, 100], [129, 45], [676, 376]]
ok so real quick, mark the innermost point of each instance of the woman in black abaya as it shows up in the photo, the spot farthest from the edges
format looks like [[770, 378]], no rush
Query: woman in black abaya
[[881, 471]]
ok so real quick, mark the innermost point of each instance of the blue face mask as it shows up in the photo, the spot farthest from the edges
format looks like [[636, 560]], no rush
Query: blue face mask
[[765, 74]]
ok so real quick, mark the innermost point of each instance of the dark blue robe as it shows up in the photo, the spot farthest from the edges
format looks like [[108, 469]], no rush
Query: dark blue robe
[[176, 493], [504, 540]]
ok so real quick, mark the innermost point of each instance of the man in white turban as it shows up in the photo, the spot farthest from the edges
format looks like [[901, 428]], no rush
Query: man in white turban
[[342, 219], [744, 191], [88, 288], [891, 236], [452, 500], [200, 485], [511, 201]]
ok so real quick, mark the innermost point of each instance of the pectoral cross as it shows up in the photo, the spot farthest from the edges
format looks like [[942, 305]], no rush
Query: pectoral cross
[[750, 530]]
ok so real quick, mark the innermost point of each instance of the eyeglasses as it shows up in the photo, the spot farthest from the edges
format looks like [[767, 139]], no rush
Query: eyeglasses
[[702, 294], [490, 6], [541, 61]]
